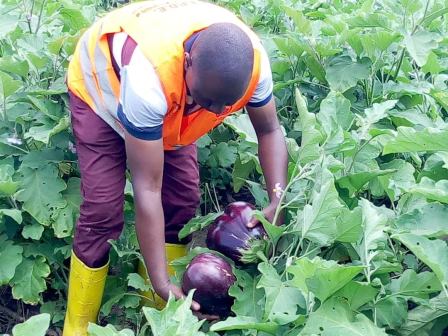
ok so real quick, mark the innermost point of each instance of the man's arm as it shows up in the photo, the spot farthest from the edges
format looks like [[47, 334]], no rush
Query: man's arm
[[145, 160], [271, 150]]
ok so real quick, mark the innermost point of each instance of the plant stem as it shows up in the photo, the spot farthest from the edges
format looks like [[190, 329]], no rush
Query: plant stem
[[40, 16]]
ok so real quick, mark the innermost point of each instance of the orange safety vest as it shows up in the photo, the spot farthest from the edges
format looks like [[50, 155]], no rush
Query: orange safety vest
[[160, 29]]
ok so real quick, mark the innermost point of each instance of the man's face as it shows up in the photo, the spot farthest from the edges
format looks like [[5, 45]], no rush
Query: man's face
[[207, 90]]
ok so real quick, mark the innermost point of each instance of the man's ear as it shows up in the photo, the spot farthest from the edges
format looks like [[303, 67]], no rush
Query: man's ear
[[187, 62]]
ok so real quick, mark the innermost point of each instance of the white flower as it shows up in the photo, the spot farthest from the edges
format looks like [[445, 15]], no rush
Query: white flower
[[278, 190]]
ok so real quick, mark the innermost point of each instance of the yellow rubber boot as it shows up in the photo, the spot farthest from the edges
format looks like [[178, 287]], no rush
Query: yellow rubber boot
[[173, 251], [85, 291]]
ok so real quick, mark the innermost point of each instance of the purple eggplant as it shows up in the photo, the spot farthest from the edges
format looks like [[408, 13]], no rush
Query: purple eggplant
[[229, 234], [212, 277]]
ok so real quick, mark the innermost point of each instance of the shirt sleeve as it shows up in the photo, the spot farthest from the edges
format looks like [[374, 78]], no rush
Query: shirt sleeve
[[263, 91], [142, 101]]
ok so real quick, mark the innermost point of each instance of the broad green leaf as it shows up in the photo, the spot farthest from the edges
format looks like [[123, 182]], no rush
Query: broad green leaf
[[44, 132], [433, 253], [15, 214], [65, 218], [357, 294], [10, 258], [242, 125], [249, 300], [343, 73], [281, 299], [403, 176], [289, 46], [7, 24], [349, 225], [109, 330], [33, 231], [413, 285], [7, 186], [432, 65], [376, 42], [354, 182], [274, 232], [423, 316], [372, 115], [137, 282], [334, 318], [198, 223], [311, 136], [29, 280], [374, 222], [41, 192], [429, 221], [73, 19], [12, 65], [435, 191], [303, 25], [335, 107], [409, 140], [36, 325], [245, 323], [441, 97], [222, 155], [175, 319], [8, 85], [41, 158], [318, 224], [420, 44], [321, 277], [241, 172], [391, 312]]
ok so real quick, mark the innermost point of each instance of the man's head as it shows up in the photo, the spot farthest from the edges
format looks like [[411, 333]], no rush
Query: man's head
[[219, 66]]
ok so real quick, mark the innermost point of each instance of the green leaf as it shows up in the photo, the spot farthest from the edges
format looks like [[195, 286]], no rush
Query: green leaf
[[354, 182], [33, 231], [29, 280], [8, 85], [222, 155], [374, 43], [274, 232], [343, 73], [245, 323], [349, 225], [198, 223], [391, 312], [334, 318], [318, 224], [402, 177], [372, 115], [428, 221], [9, 64], [311, 136], [41, 192], [436, 191], [321, 277], [65, 218], [10, 258], [357, 294], [281, 299], [7, 24], [249, 300], [335, 108], [7, 186], [423, 316], [175, 319], [374, 222], [109, 330], [420, 44], [409, 140], [44, 132], [242, 125], [433, 253], [137, 282], [36, 325], [73, 19], [413, 285], [13, 213]]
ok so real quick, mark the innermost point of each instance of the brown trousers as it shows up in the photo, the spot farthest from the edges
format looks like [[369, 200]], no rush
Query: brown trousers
[[102, 162]]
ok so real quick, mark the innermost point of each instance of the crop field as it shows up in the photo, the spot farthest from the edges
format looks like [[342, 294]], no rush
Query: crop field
[[361, 88]]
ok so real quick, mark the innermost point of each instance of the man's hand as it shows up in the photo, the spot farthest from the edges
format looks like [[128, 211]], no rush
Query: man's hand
[[164, 291], [269, 214]]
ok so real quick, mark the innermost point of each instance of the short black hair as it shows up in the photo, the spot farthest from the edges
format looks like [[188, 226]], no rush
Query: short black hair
[[225, 50]]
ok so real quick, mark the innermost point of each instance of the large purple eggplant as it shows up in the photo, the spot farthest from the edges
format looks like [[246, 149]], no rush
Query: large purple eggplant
[[229, 233], [212, 277]]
